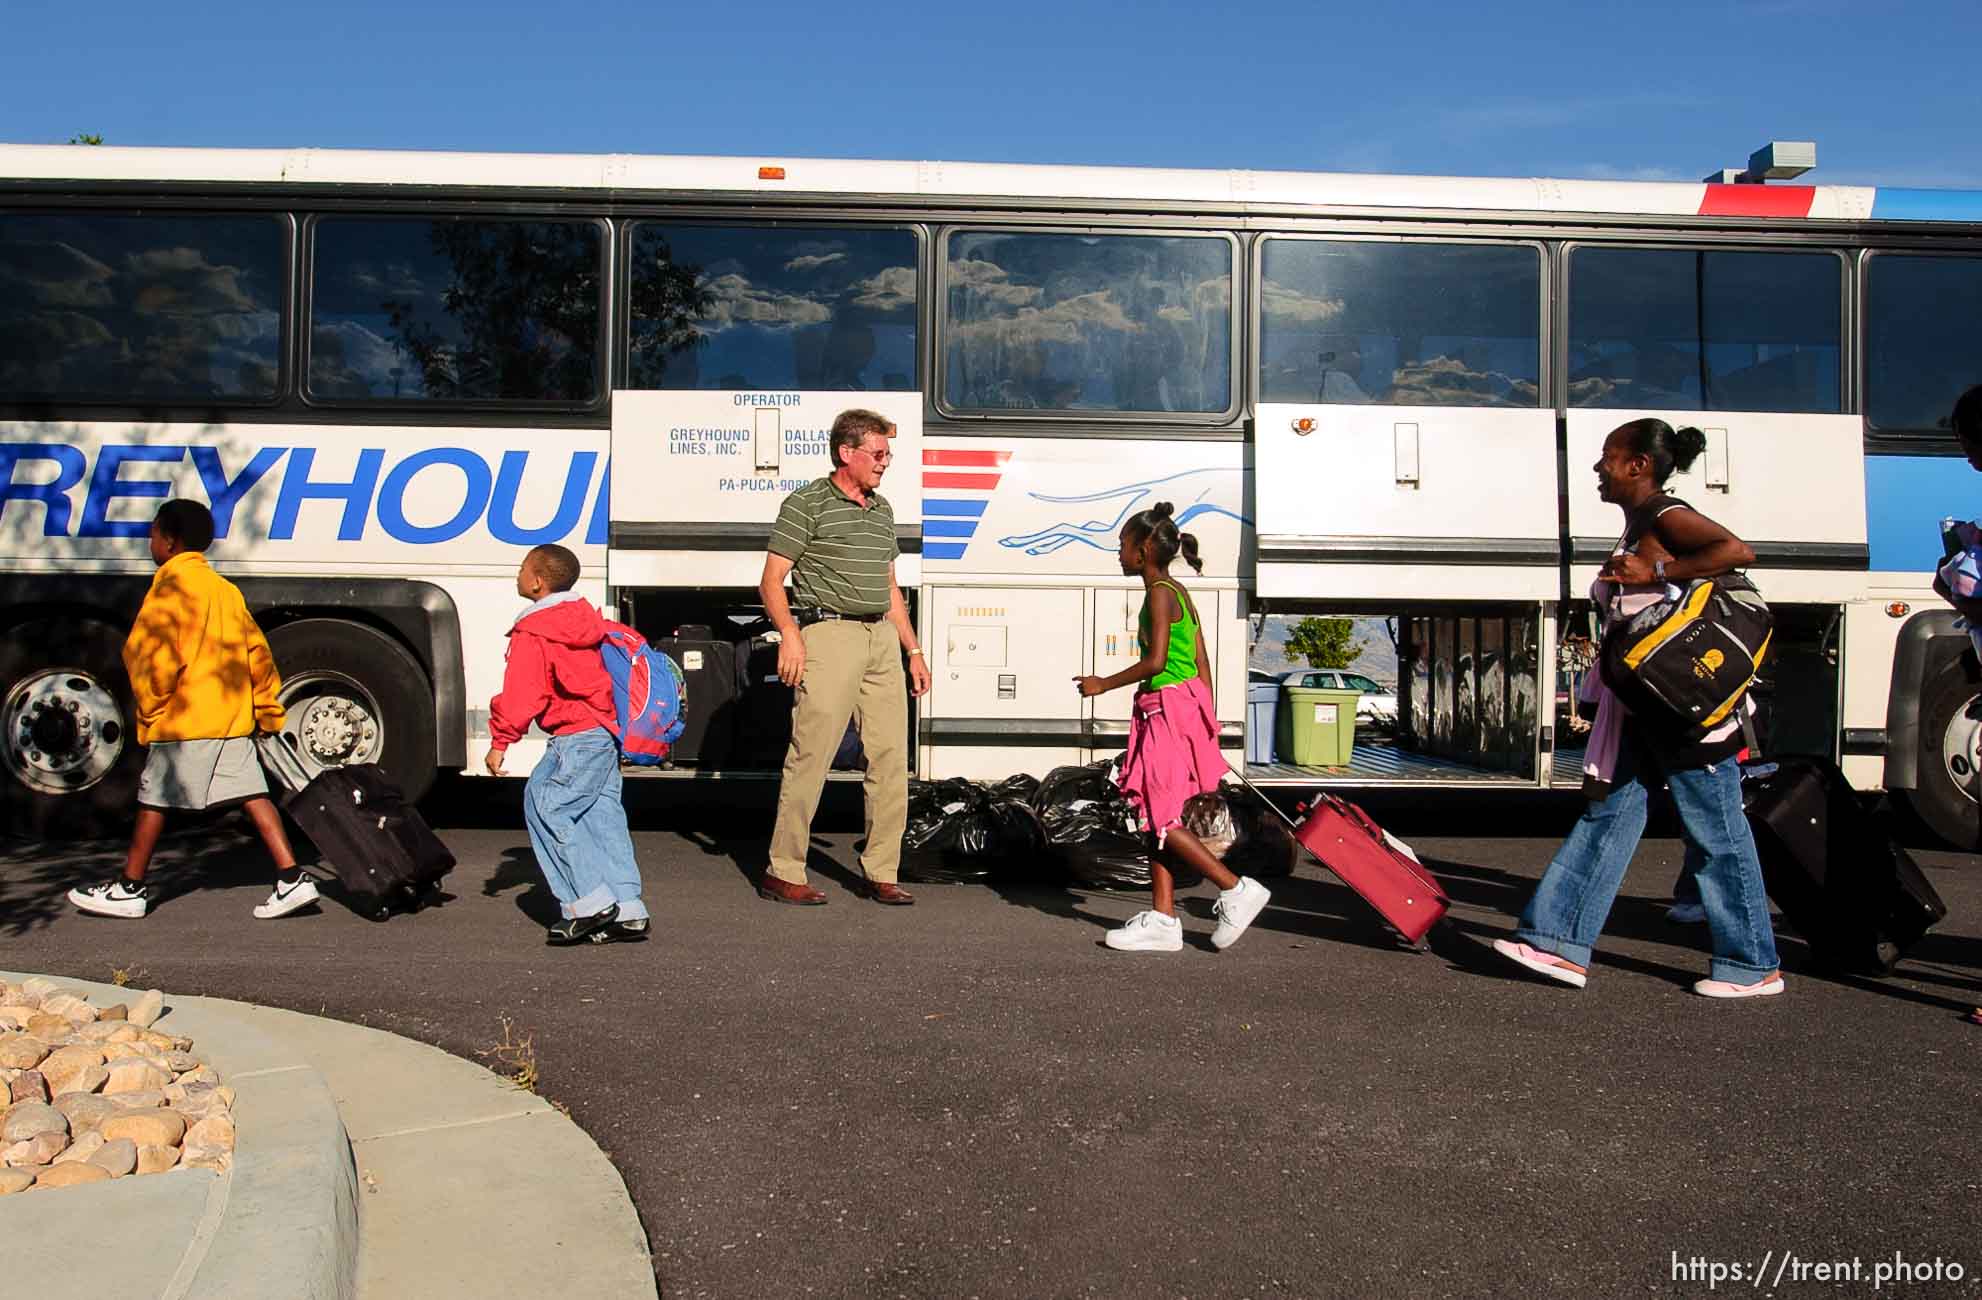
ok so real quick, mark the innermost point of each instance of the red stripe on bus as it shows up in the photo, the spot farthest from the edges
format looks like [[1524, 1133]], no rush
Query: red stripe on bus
[[987, 459], [1757, 200], [985, 481]]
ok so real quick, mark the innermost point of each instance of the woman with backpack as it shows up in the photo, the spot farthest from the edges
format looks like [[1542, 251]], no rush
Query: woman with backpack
[[1665, 541]]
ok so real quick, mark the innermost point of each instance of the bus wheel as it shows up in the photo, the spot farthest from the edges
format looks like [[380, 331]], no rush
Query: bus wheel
[[70, 754], [354, 695], [1945, 798]]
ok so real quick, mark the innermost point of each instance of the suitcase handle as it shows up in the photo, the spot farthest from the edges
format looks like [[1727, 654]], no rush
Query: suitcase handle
[[279, 754]]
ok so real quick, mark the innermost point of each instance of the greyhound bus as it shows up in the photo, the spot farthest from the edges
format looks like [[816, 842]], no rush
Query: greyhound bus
[[1370, 397]]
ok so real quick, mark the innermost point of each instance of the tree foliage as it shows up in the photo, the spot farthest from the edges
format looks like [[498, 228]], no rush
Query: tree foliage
[[1324, 642], [85, 138]]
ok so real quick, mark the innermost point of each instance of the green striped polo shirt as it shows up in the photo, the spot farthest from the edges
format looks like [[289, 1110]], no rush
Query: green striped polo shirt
[[840, 553]]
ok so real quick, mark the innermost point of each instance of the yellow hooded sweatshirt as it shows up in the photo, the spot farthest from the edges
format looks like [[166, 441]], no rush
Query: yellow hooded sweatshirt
[[200, 669]]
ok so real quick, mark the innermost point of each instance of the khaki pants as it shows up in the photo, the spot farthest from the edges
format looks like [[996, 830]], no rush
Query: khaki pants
[[852, 670]]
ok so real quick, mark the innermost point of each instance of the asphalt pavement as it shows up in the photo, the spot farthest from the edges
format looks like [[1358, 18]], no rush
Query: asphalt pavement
[[971, 1097]]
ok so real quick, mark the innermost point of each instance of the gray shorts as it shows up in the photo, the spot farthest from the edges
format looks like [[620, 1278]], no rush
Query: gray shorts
[[201, 773]]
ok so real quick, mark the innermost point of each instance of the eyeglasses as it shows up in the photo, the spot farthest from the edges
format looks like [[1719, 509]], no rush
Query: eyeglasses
[[881, 457]]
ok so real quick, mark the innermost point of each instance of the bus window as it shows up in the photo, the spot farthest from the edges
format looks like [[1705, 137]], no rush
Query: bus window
[[456, 310], [1673, 329], [1115, 323], [158, 308], [772, 307], [1923, 339], [1363, 323]]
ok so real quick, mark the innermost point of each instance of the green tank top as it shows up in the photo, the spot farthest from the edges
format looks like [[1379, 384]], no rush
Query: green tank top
[[1180, 665]]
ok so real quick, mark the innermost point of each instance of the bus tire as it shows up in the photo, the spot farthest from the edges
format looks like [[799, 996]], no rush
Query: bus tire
[[69, 753], [355, 695], [1944, 797]]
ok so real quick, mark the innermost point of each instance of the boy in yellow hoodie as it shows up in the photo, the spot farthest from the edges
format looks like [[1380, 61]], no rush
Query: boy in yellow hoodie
[[204, 683]]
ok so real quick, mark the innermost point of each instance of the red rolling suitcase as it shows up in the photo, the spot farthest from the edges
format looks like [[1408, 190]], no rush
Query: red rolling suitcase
[[1370, 860]]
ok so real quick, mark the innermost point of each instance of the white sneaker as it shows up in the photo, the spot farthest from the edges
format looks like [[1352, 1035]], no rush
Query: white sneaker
[[1687, 914], [1147, 932], [1235, 910], [285, 899], [111, 898]]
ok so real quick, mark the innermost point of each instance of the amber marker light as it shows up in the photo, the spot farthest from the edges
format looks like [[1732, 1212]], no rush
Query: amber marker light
[[1898, 609], [1304, 425], [770, 173]]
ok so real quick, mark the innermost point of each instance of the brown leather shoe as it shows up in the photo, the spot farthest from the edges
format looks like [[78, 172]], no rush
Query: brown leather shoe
[[783, 891], [887, 891]]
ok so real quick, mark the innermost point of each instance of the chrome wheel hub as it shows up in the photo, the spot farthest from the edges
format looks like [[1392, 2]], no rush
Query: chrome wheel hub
[[63, 730]]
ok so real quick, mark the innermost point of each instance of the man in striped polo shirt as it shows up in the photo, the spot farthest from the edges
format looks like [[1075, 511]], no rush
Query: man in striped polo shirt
[[842, 633]]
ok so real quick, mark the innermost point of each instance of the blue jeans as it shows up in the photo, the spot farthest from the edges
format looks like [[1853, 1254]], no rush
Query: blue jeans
[[1569, 907], [578, 826]]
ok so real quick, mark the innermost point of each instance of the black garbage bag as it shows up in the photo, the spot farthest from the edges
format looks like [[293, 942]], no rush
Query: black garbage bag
[[950, 837], [1021, 788], [1091, 828], [1022, 852], [1262, 846]]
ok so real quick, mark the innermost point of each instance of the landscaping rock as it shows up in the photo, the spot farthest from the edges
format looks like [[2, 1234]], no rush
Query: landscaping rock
[[88, 1081], [100, 1032], [37, 987], [147, 1009], [47, 1024], [72, 1175], [64, 1064], [215, 1132], [82, 1148], [115, 1050], [149, 1100], [146, 1127], [218, 1161], [135, 1076], [15, 1180], [32, 1120], [28, 1085], [205, 1074], [179, 1062], [155, 1159], [70, 1007], [86, 1112], [124, 1034], [13, 1017], [117, 1158], [22, 1051], [119, 1012], [35, 1151]]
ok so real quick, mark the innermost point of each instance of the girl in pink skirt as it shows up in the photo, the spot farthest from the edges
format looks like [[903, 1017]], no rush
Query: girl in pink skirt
[[1173, 740]]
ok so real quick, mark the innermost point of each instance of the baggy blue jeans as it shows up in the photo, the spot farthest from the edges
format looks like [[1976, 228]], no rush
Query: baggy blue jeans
[[1569, 907], [578, 826]]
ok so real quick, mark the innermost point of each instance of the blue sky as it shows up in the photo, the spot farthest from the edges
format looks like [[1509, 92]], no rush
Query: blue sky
[[1479, 88]]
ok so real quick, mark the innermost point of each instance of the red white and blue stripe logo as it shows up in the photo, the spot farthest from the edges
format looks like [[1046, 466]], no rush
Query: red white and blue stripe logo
[[956, 487]]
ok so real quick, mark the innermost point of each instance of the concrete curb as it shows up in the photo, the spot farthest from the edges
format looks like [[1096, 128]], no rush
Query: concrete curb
[[370, 1167], [282, 1222]]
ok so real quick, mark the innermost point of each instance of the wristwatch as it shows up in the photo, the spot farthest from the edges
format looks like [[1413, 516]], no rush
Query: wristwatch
[[916, 651]]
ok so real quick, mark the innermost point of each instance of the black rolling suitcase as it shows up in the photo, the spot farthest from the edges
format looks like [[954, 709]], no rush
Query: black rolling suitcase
[[1854, 895], [708, 668], [379, 847]]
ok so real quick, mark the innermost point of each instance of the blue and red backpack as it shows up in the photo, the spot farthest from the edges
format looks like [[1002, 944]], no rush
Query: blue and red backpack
[[649, 697]]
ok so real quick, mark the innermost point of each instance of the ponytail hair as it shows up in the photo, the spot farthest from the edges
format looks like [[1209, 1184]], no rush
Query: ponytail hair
[[1156, 526], [1668, 449]]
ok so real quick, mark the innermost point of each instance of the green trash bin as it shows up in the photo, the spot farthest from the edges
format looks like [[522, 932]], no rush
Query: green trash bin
[[1317, 726]]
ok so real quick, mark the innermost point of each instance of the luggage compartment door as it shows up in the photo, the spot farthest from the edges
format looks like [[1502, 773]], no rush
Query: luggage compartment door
[[698, 476], [1401, 447]]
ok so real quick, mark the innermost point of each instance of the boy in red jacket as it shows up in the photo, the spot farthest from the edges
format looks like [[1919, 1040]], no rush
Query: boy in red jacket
[[571, 804]]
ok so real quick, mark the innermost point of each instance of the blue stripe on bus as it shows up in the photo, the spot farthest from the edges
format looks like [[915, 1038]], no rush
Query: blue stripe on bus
[[947, 527], [931, 506], [1927, 205], [1906, 497], [942, 550]]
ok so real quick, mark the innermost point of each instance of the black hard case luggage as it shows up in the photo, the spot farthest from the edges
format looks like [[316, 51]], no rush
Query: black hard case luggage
[[382, 851], [1854, 895], [708, 669]]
